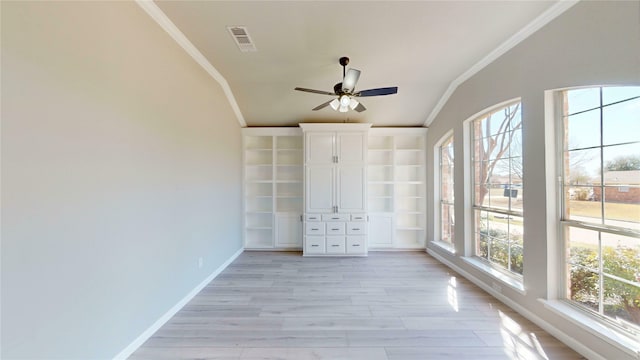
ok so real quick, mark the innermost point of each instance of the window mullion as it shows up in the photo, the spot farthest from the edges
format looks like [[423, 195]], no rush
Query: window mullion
[[600, 276], [602, 192]]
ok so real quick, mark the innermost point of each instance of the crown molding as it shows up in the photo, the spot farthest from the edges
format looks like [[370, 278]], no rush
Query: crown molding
[[535, 25], [161, 18]]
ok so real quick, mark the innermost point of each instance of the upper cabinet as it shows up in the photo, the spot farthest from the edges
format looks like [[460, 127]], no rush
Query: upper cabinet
[[320, 148], [331, 147], [351, 148]]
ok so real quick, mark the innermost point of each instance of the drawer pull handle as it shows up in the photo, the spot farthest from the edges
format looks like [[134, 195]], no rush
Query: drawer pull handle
[[355, 245], [355, 229], [335, 245], [316, 229], [335, 218], [335, 229], [313, 218], [314, 245]]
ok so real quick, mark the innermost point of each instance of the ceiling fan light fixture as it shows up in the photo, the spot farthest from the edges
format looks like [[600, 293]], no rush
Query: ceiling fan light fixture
[[345, 100], [353, 103], [343, 108], [335, 104]]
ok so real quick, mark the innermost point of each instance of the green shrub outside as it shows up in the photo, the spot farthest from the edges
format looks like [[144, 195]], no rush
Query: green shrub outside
[[498, 240], [620, 299]]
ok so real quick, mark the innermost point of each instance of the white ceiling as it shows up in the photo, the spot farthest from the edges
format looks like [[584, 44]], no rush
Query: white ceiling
[[419, 46]]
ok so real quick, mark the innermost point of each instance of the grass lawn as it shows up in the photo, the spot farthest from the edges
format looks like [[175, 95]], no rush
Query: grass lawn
[[623, 212]]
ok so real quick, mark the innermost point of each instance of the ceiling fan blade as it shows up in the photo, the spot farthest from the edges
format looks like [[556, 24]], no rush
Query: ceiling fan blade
[[360, 108], [378, 92], [314, 91], [350, 80], [322, 106]]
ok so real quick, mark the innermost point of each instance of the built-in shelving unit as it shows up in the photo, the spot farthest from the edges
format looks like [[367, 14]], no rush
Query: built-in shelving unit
[[274, 188], [273, 173], [396, 183]]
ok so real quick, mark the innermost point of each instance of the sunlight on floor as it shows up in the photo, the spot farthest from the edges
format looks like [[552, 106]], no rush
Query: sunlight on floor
[[517, 343], [452, 294]]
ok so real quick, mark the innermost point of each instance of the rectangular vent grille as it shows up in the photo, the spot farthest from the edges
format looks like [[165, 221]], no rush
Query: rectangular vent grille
[[241, 37]]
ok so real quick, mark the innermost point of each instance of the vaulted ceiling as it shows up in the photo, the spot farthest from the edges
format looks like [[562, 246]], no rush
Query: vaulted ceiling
[[420, 46]]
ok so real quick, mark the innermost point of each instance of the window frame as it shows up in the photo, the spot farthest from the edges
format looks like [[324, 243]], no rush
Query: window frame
[[509, 277], [564, 223], [449, 246]]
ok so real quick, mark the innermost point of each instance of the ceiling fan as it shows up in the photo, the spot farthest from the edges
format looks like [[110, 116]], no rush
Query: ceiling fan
[[346, 91]]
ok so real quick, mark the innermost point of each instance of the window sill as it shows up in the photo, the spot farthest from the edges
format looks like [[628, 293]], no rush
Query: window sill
[[511, 281], [448, 247], [620, 340]]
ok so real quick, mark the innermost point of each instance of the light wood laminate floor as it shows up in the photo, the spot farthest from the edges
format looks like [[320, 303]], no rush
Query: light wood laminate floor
[[389, 305]]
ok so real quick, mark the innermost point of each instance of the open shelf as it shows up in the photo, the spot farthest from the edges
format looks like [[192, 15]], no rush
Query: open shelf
[[397, 176], [273, 175]]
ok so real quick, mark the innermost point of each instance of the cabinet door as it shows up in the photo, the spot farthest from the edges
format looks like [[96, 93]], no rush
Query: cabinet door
[[351, 148], [319, 148], [351, 189], [288, 231], [380, 230], [320, 189]]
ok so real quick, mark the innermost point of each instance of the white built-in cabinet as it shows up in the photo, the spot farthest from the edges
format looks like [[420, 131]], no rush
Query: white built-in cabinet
[[273, 188], [396, 188], [375, 174], [335, 190]]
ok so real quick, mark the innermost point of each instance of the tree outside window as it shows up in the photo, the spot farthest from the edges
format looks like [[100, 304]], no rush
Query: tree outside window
[[447, 220], [498, 187]]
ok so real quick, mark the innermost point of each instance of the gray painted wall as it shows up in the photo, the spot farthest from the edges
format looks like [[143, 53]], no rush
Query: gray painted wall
[[593, 43], [121, 166]]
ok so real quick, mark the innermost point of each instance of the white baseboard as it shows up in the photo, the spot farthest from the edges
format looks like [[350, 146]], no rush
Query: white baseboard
[[126, 352], [560, 335]]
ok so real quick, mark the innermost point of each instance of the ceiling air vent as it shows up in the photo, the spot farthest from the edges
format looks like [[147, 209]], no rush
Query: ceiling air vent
[[241, 37]]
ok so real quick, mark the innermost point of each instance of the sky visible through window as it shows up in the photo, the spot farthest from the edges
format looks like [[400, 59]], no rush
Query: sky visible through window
[[621, 124]]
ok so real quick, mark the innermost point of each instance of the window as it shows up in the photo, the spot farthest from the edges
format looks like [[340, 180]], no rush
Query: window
[[497, 188], [600, 221], [446, 191]]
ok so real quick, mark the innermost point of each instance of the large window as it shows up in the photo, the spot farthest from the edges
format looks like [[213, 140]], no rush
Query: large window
[[446, 191], [601, 201], [497, 192]]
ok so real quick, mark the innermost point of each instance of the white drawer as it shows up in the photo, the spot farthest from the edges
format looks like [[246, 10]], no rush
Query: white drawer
[[314, 228], [312, 217], [356, 228], [335, 217], [358, 217], [335, 245], [356, 245], [335, 228], [314, 245]]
